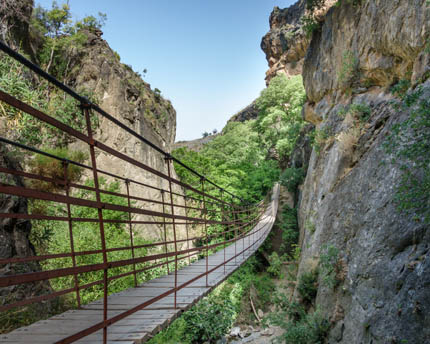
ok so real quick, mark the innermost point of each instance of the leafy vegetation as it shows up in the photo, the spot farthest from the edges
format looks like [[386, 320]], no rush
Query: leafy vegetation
[[289, 228], [300, 327], [16, 80], [279, 121], [213, 316], [330, 267], [308, 286], [292, 177], [349, 69], [409, 146], [86, 237]]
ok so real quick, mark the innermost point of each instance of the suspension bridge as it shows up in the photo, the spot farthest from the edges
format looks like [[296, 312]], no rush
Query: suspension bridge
[[192, 265]]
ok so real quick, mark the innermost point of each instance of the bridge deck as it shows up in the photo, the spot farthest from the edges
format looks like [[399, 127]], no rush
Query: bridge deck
[[143, 324]]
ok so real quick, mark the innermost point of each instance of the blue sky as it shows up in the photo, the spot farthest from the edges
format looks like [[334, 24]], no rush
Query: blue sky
[[204, 55]]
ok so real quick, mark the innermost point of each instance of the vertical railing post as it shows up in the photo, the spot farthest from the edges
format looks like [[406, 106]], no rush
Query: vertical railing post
[[244, 224], [222, 220], [69, 220], [165, 231], [202, 181], [127, 183], [186, 228], [233, 213], [86, 110], [168, 159]]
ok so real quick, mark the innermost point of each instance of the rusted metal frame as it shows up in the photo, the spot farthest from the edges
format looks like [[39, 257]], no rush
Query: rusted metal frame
[[69, 130], [186, 226], [168, 160], [49, 296], [83, 100], [82, 253], [131, 232], [48, 196], [84, 219], [165, 230], [123, 315], [222, 219], [202, 181], [72, 245], [9, 280], [91, 142]]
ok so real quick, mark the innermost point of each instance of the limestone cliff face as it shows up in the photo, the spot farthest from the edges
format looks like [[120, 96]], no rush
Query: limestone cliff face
[[286, 43], [348, 198], [121, 92]]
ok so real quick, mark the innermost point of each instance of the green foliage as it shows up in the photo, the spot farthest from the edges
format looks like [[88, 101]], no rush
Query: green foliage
[[86, 236], [275, 268], [24, 128], [234, 161], [62, 36], [309, 25], [409, 146], [279, 121], [214, 315], [292, 177], [320, 137], [299, 327], [310, 226], [54, 168], [210, 319], [349, 69], [308, 286], [289, 228], [329, 265]]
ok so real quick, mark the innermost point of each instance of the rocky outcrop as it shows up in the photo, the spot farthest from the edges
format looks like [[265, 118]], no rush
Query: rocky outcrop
[[246, 114], [122, 93], [286, 43], [194, 145], [15, 243], [350, 189], [348, 200]]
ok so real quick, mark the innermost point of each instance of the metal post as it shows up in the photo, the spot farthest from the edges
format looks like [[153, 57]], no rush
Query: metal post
[[206, 230], [168, 159], [186, 229], [222, 220], [127, 183], [165, 232], [100, 215], [72, 245]]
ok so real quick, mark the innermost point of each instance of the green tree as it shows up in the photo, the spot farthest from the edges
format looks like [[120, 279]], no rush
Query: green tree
[[279, 121]]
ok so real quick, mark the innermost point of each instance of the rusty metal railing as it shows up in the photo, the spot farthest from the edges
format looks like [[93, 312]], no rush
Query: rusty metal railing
[[210, 220]]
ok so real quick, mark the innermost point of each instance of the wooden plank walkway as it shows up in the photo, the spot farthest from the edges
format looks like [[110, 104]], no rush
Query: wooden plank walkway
[[142, 325]]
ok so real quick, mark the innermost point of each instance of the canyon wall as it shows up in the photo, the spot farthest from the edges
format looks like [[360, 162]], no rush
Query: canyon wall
[[350, 200]]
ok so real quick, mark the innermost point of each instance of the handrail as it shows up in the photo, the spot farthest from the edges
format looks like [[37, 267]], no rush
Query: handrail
[[86, 102], [223, 223]]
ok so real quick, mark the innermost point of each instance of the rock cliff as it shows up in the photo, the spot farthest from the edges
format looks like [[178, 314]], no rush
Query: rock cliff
[[350, 199], [286, 43]]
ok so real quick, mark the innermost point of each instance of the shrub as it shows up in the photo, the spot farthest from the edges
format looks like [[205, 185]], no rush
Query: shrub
[[299, 327], [292, 177], [309, 24], [308, 286], [50, 167], [209, 319], [275, 265], [409, 146], [349, 68], [330, 266], [289, 228], [360, 111]]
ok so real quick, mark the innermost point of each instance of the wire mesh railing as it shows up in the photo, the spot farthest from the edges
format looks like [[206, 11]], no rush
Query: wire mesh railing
[[185, 221]]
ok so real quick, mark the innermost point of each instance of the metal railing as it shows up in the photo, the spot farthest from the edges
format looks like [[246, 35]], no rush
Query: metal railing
[[173, 207]]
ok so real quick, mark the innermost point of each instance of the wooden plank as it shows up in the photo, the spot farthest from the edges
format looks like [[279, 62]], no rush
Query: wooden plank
[[138, 327]]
